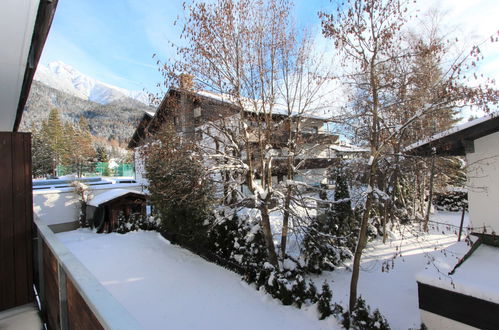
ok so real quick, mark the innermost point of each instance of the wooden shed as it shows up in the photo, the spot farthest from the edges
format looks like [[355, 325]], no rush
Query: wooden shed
[[104, 209]]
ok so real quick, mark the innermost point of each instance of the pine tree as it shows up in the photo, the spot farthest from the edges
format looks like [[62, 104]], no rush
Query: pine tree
[[324, 303], [41, 154], [53, 134]]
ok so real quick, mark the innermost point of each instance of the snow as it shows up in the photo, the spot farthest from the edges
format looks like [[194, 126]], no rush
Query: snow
[[249, 106], [476, 277], [394, 290], [163, 285], [452, 130], [150, 113], [110, 195], [65, 78], [347, 148], [160, 283]]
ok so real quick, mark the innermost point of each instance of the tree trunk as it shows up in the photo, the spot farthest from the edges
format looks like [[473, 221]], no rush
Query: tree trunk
[[430, 194], [361, 243], [285, 223], [267, 233]]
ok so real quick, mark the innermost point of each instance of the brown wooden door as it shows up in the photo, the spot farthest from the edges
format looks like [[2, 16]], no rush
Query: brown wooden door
[[16, 220]]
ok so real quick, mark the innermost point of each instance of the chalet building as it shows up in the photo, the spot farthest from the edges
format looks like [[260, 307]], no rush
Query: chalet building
[[468, 297], [191, 113]]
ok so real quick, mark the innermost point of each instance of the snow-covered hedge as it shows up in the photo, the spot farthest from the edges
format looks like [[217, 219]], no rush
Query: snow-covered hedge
[[451, 201]]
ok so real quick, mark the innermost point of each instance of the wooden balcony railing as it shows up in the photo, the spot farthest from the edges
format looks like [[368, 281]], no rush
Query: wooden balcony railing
[[70, 296]]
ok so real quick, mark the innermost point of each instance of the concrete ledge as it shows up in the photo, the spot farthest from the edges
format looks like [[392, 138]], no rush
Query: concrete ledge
[[65, 226], [21, 318]]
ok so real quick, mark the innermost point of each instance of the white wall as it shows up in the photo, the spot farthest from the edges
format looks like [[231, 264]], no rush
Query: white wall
[[139, 166], [55, 206], [437, 322], [483, 183], [17, 20]]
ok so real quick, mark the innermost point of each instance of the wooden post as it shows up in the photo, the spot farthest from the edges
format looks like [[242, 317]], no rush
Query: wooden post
[[41, 286], [461, 225], [63, 298], [430, 194]]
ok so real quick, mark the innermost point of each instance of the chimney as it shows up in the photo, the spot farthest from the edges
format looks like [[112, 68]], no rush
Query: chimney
[[186, 81]]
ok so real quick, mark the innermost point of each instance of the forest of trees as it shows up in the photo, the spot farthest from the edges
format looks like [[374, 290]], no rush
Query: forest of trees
[[62, 143]]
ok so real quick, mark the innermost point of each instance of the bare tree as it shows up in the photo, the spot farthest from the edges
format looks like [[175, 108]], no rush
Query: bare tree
[[391, 95], [247, 53]]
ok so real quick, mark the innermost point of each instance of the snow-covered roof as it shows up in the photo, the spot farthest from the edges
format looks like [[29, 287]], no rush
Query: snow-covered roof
[[468, 131], [110, 195], [249, 105], [149, 113], [476, 277], [347, 148]]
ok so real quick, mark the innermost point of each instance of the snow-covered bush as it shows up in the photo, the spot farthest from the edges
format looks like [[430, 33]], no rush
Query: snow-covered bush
[[361, 318], [323, 250], [135, 222], [324, 302], [451, 201], [238, 240], [331, 237]]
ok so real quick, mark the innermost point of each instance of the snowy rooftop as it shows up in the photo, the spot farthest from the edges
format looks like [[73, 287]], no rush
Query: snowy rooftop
[[149, 113], [476, 277], [449, 141], [250, 105], [110, 195], [347, 148]]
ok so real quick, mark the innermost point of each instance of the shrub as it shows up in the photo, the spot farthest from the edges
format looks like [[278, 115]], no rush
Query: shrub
[[362, 319], [324, 303], [135, 222], [180, 188]]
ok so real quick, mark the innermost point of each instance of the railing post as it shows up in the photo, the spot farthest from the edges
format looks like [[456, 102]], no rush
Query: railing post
[[41, 284], [63, 297]]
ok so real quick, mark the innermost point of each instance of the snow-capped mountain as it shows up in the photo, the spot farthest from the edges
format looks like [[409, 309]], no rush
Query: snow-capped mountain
[[65, 78]]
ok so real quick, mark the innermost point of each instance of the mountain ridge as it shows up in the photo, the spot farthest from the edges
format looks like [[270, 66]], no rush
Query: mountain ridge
[[116, 120], [64, 77]]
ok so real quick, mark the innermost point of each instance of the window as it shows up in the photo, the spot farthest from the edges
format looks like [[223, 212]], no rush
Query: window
[[197, 112], [175, 120]]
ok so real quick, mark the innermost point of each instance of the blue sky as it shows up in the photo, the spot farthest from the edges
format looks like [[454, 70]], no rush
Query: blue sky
[[113, 40]]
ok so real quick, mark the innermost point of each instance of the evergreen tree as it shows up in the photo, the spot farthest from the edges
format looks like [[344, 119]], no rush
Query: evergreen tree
[[180, 189], [324, 303], [81, 153], [53, 134], [41, 154], [101, 154]]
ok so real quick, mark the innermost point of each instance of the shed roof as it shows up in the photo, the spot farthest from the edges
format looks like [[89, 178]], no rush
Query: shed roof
[[111, 195], [452, 141]]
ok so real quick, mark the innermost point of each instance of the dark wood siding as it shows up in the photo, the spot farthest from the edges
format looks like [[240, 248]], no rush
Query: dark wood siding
[[80, 317], [51, 286], [16, 219], [456, 306]]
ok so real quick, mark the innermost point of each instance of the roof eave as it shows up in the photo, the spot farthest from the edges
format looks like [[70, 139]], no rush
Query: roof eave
[[44, 17]]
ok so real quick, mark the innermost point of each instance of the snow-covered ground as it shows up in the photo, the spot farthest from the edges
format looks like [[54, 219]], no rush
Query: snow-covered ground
[[163, 285], [387, 280], [167, 287]]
